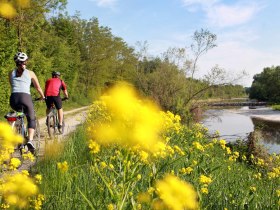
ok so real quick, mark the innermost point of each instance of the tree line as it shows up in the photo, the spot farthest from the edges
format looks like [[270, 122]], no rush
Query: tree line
[[88, 55], [266, 85]]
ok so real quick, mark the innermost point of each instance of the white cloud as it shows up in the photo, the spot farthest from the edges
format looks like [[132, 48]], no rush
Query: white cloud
[[223, 15], [105, 3], [235, 57]]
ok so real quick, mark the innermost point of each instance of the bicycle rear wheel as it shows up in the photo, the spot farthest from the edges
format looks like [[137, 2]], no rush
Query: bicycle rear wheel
[[62, 126], [51, 122], [37, 138]]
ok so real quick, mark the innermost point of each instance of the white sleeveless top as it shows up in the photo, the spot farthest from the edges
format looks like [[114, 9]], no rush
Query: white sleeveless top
[[21, 84]]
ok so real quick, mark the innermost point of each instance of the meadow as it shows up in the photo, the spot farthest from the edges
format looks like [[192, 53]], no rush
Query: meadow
[[131, 155]]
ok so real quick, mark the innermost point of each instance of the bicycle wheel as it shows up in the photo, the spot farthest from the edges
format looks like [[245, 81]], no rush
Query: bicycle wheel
[[51, 122], [20, 129], [37, 138], [62, 127]]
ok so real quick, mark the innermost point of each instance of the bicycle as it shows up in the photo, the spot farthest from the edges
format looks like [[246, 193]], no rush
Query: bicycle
[[17, 120], [53, 122]]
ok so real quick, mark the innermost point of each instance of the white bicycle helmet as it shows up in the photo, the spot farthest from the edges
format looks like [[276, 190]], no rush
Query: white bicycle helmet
[[20, 57]]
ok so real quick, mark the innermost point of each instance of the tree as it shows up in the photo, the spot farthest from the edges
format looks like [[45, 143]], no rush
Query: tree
[[265, 86]]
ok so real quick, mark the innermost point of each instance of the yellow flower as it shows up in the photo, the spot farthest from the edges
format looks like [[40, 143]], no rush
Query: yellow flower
[[28, 156], [38, 178], [17, 188], [144, 156], [111, 166], [278, 193], [110, 206], [204, 190], [103, 165], [144, 198], [25, 172], [7, 10], [134, 122], [198, 146], [253, 189], [139, 176], [204, 179], [94, 147], [177, 194], [223, 143], [63, 167], [14, 163]]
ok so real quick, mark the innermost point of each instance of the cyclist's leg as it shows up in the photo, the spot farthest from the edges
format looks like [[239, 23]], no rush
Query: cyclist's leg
[[48, 101], [31, 121], [58, 106]]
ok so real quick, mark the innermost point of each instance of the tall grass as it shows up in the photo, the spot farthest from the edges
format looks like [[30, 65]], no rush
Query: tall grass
[[105, 165], [88, 184]]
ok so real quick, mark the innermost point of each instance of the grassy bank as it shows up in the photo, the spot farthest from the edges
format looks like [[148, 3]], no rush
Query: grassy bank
[[87, 175]]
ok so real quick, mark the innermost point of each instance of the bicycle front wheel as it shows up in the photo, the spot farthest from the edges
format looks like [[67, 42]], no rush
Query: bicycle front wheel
[[51, 122]]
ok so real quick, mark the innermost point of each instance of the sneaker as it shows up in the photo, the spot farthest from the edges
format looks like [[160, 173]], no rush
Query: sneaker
[[59, 128], [30, 146]]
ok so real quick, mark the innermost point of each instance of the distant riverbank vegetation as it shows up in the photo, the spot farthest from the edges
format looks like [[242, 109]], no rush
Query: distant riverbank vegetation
[[266, 85], [88, 56]]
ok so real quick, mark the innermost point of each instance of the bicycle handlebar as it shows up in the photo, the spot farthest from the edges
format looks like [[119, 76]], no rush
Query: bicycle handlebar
[[38, 99], [64, 99]]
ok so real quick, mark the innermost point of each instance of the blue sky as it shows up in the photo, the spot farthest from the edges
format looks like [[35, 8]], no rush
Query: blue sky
[[247, 30]]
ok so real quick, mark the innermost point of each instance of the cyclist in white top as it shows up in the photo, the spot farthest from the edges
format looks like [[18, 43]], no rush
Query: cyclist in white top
[[20, 100]]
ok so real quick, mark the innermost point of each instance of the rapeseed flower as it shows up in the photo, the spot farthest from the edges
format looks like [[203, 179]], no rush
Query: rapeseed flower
[[204, 179], [198, 146], [278, 193], [94, 147], [223, 143], [134, 121], [16, 189], [63, 166], [38, 178], [176, 194], [110, 206], [204, 190], [14, 163]]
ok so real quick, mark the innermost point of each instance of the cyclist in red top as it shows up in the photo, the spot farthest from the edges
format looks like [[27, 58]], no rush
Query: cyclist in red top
[[52, 94]]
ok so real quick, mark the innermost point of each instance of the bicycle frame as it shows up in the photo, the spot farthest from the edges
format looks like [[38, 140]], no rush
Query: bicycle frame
[[53, 122], [17, 122]]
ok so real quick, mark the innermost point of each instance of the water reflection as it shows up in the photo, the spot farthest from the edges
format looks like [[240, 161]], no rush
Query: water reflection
[[270, 133], [234, 124]]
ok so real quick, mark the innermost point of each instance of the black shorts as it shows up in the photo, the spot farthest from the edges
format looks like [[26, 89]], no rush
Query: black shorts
[[56, 100], [23, 102]]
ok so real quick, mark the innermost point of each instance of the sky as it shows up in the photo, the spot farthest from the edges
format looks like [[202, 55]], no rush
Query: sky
[[247, 30]]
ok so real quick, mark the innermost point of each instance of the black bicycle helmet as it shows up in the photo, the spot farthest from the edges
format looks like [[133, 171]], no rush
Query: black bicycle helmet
[[55, 73]]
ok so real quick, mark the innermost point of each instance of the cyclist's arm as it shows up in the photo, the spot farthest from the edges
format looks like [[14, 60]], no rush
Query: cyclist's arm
[[64, 89], [36, 83], [65, 92]]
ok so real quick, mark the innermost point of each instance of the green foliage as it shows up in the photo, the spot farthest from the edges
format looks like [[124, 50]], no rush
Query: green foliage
[[265, 86]]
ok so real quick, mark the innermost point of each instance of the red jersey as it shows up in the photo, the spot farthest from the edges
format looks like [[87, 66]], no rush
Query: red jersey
[[53, 87]]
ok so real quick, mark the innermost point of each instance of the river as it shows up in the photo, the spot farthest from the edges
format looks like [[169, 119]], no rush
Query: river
[[237, 123]]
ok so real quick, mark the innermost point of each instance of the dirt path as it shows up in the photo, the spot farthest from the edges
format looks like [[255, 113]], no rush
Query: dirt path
[[72, 119]]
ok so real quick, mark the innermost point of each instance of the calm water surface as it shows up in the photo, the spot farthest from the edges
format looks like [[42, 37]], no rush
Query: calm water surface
[[237, 123]]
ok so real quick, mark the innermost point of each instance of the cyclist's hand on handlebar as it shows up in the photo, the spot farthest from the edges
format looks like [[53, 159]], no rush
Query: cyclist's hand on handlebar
[[40, 99]]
